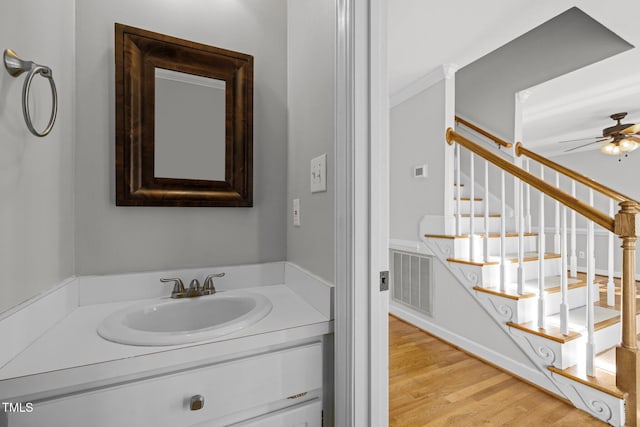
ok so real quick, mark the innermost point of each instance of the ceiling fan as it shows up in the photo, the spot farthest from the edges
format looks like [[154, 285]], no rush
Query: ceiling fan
[[622, 138]]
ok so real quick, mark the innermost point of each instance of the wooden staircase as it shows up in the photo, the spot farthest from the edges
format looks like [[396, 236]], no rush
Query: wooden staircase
[[555, 353]]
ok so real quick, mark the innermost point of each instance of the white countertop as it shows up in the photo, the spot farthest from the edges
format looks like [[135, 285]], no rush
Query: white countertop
[[71, 354]]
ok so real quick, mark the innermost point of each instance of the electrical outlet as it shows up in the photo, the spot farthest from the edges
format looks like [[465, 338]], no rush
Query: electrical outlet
[[420, 171], [318, 176], [581, 254], [296, 212]]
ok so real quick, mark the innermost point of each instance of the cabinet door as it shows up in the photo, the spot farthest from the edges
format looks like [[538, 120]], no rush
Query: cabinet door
[[228, 388], [308, 414]]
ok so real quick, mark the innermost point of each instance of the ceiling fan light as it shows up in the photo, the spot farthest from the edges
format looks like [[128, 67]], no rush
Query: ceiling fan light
[[627, 145], [611, 149]]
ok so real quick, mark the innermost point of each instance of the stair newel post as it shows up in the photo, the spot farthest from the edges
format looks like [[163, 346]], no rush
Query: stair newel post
[[627, 356], [458, 187], [574, 259], [541, 249], [472, 209], [527, 200], [591, 255], [564, 279], [611, 297], [556, 235], [520, 285], [486, 211], [503, 255]]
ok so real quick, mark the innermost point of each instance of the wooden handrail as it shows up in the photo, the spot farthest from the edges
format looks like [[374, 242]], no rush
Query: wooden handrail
[[483, 132], [520, 150], [566, 199]]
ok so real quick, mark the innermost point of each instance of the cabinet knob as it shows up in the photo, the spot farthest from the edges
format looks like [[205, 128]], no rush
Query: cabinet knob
[[196, 402]]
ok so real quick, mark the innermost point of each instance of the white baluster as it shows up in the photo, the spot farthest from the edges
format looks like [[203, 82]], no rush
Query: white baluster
[[611, 294], [527, 201], [574, 259], [541, 248], [503, 255], [472, 209], [486, 211], [591, 254], [556, 236], [458, 187], [590, 293], [521, 239], [564, 279]]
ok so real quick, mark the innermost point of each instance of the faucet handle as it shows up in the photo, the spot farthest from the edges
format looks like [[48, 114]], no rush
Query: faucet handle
[[208, 288], [178, 287]]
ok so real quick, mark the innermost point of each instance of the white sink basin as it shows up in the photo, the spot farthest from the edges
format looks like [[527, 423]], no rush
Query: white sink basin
[[179, 321]]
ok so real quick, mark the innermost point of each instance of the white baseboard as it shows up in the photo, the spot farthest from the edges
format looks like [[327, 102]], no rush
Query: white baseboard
[[525, 372]]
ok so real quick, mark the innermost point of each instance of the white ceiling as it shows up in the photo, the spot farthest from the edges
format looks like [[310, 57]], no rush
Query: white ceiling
[[424, 34]]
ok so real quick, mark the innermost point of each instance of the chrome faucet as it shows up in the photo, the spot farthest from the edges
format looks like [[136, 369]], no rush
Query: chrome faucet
[[195, 290], [208, 288], [178, 287]]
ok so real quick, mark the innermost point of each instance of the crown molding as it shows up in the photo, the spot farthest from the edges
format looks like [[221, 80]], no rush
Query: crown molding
[[442, 72]]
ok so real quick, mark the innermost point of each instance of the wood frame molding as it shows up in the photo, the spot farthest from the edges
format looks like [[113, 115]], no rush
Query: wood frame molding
[[137, 54]]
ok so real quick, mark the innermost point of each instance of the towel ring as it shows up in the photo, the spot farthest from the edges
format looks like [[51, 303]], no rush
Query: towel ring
[[16, 66]]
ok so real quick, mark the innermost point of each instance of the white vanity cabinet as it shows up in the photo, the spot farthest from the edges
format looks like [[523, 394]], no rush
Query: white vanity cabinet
[[268, 388]]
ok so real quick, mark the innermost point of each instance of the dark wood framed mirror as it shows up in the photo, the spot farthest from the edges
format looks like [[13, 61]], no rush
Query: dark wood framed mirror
[[184, 122]]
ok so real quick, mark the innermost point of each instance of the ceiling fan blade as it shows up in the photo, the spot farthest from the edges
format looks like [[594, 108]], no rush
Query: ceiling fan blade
[[579, 139], [631, 129], [580, 146], [633, 138]]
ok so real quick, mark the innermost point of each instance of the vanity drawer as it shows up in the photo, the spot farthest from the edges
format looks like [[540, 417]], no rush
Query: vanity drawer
[[227, 388]]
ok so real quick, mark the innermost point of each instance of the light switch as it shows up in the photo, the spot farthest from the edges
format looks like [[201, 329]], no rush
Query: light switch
[[420, 171], [296, 212], [318, 181]]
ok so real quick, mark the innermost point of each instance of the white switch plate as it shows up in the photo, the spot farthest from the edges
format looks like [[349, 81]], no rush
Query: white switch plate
[[318, 176], [296, 212]]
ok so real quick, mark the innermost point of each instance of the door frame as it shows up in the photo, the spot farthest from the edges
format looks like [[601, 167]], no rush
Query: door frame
[[361, 214]]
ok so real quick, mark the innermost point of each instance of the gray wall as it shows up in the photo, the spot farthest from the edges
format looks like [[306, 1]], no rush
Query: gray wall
[[311, 53], [485, 88], [416, 138], [112, 239], [36, 174]]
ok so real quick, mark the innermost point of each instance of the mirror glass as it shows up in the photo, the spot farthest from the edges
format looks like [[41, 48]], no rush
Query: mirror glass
[[189, 126]]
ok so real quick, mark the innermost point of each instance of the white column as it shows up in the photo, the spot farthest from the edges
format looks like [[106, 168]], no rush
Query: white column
[[556, 235], [458, 187], [527, 201], [591, 288], [472, 209], [521, 239], [503, 255], [486, 211], [591, 255], [611, 290], [574, 259], [541, 249], [564, 279]]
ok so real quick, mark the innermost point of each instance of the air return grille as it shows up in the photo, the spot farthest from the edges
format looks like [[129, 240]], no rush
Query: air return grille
[[412, 280]]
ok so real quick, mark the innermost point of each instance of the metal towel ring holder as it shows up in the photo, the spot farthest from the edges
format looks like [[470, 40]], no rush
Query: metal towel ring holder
[[16, 66]]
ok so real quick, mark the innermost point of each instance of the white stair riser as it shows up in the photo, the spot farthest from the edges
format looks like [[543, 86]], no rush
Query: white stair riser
[[577, 297], [461, 246], [478, 207], [478, 224], [552, 267]]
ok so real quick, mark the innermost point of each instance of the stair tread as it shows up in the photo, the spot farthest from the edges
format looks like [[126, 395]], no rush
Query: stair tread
[[466, 236], [551, 332], [493, 260], [603, 317], [468, 199], [603, 380], [552, 284], [508, 293], [491, 215], [531, 288]]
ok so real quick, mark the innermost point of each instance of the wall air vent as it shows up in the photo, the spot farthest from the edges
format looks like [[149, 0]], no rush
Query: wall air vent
[[412, 280]]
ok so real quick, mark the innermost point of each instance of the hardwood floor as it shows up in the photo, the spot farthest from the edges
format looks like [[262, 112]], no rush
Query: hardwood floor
[[432, 383]]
